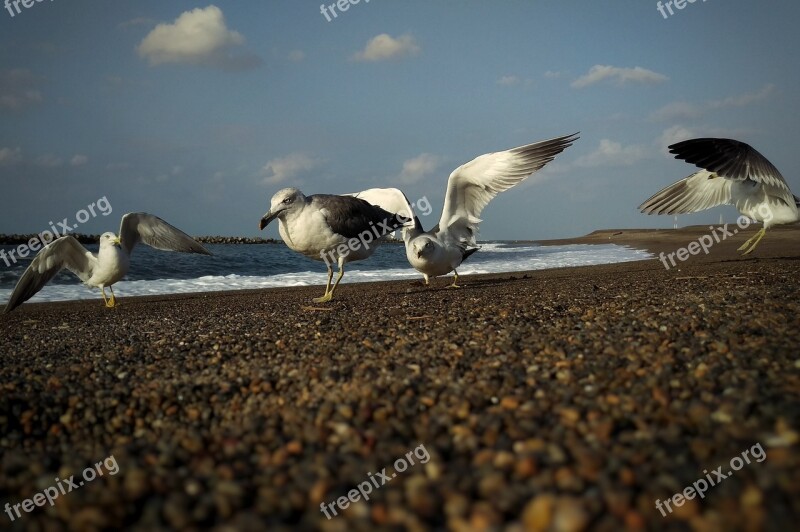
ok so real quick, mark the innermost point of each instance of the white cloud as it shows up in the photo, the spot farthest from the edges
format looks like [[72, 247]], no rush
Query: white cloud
[[676, 110], [384, 47], [672, 135], [619, 75], [686, 110], [296, 56], [610, 153], [679, 133], [284, 168], [419, 167], [744, 100], [10, 156], [79, 160], [18, 89], [197, 37], [552, 74], [507, 81]]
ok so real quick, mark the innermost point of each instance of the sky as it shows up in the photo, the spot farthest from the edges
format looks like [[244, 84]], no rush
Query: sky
[[200, 112]]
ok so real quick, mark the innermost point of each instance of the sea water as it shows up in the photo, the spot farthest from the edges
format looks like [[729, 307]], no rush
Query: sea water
[[241, 266]]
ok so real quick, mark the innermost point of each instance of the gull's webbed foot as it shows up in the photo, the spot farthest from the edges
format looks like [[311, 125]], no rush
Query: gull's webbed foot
[[755, 240], [111, 303], [455, 281], [324, 299]]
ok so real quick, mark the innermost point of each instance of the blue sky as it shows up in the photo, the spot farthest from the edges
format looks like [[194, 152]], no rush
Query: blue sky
[[199, 112]]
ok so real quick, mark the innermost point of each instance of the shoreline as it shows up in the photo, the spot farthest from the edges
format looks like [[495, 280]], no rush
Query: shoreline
[[667, 240], [779, 242]]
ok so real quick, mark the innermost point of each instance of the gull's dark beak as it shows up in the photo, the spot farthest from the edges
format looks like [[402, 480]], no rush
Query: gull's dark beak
[[419, 253], [266, 220]]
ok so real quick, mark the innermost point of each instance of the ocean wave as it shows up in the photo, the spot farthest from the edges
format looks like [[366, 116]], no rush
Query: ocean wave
[[493, 258]]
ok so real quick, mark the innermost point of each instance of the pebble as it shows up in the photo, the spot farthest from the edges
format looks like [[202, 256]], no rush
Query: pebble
[[562, 407]]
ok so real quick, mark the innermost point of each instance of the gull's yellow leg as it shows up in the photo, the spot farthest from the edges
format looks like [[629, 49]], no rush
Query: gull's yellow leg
[[758, 236], [329, 293], [103, 291], [744, 246], [427, 279], [749, 240], [325, 298], [455, 280], [339, 278], [113, 298]]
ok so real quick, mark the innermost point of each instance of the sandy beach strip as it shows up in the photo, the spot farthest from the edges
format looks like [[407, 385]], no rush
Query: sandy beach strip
[[565, 399]]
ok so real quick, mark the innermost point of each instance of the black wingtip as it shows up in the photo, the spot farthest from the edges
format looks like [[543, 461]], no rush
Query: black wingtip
[[201, 250], [467, 253]]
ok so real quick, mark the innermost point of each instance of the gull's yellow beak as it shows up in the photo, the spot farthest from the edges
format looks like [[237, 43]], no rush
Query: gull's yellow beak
[[116, 242]]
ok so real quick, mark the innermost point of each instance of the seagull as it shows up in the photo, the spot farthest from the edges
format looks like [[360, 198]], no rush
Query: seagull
[[330, 228], [732, 173], [111, 262], [469, 189]]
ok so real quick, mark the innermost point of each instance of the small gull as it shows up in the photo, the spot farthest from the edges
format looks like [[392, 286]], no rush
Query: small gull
[[330, 228], [111, 262], [469, 189], [732, 173]]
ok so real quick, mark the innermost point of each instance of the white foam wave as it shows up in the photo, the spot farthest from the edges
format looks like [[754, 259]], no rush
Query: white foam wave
[[493, 258]]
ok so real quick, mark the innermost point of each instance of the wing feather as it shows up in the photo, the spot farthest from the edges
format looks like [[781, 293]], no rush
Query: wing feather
[[395, 201], [733, 160], [697, 192], [473, 185], [66, 252], [350, 216], [151, 230]]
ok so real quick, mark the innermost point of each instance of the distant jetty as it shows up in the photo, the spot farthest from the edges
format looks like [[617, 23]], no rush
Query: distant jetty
[[14, 240], [236, 240]]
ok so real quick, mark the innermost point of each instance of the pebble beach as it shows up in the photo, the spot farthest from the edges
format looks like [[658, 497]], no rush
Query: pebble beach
[[564, 400]]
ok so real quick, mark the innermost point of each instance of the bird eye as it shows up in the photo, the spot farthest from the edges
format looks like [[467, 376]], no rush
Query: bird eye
[[287, 201]]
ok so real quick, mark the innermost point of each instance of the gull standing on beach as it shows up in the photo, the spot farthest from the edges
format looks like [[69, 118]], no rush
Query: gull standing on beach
[[732, 173], [330, 228], [111, 262], [469, 189]]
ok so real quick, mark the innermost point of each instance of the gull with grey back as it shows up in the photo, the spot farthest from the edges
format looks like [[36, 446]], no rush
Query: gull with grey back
[[111, 262], [329, 228], [732, 173], [470, 188]]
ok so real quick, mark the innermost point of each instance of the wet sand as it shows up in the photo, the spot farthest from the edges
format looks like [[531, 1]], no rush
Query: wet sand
[[564, 399]]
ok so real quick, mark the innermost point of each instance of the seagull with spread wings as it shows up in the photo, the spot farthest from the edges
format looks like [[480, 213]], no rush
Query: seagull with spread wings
[[469, 189], [111, 262], [732, 173]]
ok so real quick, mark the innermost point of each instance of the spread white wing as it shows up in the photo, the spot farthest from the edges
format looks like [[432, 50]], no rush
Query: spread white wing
[[151, 230], [473, 185], [66, 252]]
